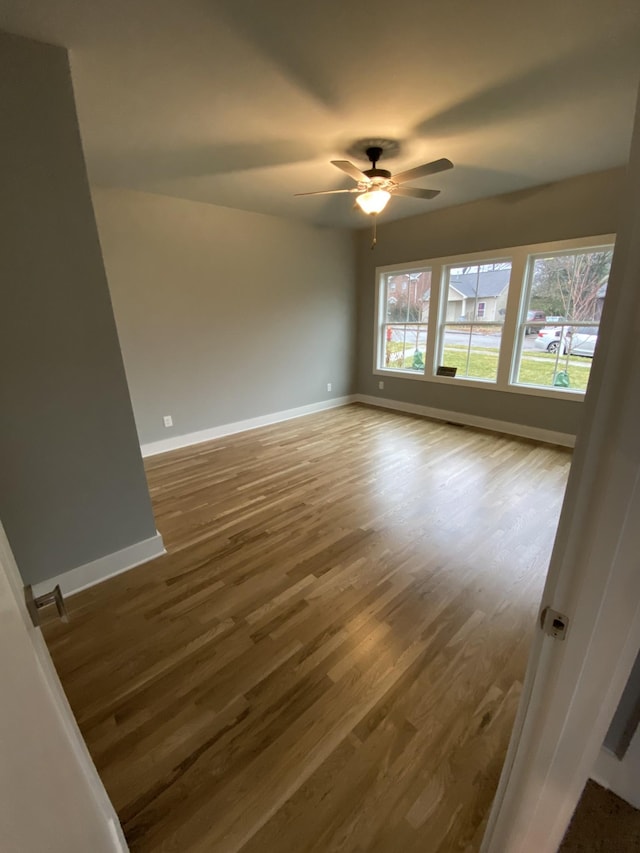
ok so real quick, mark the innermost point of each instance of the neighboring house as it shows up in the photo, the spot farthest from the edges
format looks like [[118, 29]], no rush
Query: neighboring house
[[408, 294], [474, 296]]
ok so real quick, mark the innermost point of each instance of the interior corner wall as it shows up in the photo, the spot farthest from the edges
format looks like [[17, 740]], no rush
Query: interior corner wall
[[578, 207], [225, 315], [72, 483]]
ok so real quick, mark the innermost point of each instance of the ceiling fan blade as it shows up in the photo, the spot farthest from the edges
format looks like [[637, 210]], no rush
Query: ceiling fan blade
[[350, 170], [330, 192], [416, 192], [422, 171]]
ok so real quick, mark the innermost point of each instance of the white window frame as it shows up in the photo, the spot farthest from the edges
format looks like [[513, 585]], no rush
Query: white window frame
[[527, 285], [443, 291], [380, 344], [517, 306]]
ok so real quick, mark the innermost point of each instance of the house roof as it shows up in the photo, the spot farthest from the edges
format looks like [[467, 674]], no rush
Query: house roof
[[243, 104], [489, 283]]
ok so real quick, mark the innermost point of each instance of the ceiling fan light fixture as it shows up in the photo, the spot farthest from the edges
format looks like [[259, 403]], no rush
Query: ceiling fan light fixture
[[373, 201]]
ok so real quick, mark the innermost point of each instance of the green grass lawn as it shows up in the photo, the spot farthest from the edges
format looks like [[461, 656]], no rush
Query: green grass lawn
[[536, 368], [539, 373]]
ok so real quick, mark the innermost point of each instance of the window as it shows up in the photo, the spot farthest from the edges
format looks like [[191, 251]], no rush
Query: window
[[405, 306], [564, 296], [525, 320], [474, 303]]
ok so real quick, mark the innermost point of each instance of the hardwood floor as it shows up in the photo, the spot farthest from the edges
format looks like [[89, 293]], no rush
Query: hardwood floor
[[330, 655]]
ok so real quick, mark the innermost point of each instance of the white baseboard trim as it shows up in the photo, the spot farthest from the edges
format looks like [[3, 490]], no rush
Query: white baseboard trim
[[198, 437], [520, 430], [105, 567], [618, 776]]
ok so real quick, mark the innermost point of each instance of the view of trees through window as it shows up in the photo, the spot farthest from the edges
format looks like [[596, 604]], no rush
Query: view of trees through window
[[566, 295], [571, 286]]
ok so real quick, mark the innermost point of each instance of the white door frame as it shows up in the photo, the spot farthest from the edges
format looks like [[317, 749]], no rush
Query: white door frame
[[51, 797], [572, 687]]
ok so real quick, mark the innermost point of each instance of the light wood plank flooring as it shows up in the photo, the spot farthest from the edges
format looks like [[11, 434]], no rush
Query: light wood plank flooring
[[331, 653]]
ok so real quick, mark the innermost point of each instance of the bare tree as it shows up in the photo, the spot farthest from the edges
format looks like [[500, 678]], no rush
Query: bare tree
[[568, 285]]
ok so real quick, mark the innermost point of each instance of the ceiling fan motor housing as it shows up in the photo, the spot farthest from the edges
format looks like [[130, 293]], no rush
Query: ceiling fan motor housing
[[374, 153], [377, 173]]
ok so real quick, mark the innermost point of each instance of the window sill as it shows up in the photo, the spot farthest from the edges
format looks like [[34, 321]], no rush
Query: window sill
[[511, 388]]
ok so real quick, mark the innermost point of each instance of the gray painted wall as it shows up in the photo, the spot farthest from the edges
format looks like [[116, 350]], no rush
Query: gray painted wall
[[72, 482], [578, 207], [225, 315], [625, 720]]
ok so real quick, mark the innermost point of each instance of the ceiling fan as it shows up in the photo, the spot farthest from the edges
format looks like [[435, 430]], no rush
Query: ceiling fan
[[376, 186]]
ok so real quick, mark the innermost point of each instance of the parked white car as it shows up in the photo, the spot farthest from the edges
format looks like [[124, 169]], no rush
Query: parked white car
[[579, 340], [550, 339], [582, 340]]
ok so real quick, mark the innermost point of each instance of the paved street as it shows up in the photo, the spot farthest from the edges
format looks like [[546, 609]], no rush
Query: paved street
[[477, 340]]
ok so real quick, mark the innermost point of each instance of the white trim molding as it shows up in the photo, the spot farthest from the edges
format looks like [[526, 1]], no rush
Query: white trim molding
[[81, 786], [564, 439], [105, 567], [178, 441], [620, 776]]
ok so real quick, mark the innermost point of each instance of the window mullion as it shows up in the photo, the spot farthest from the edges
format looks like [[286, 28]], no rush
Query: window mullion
[[380, 323], [510, 342], [433, 330]]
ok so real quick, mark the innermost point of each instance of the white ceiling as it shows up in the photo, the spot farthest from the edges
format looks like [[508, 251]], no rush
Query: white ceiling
[[244, 102]]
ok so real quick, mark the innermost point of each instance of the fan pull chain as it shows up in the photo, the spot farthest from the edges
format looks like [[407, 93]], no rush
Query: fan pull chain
[[375, 238]]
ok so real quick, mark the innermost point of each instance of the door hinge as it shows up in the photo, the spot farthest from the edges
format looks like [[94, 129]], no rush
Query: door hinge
[[553, 623]]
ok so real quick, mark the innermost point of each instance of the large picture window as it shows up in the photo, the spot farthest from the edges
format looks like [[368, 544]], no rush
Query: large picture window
[[525, 320]]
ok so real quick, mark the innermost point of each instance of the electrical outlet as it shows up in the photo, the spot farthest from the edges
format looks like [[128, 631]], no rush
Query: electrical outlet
[[381, 384], [167, 421], [328, 386]]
